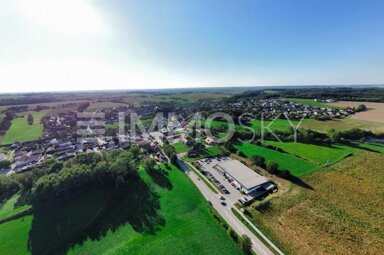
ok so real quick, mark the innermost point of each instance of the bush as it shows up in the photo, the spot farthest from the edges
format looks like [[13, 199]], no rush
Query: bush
[[5, 164], [246, 244], [233, 234], [272, 166], [258, 160]]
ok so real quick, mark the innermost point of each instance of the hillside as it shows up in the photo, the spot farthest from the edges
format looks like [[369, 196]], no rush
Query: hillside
[[162, 214]]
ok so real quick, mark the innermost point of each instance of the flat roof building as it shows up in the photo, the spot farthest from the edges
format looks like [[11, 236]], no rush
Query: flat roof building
[[245, 177]]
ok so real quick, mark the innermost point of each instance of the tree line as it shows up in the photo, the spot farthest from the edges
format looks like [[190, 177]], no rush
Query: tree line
[[55, 180]]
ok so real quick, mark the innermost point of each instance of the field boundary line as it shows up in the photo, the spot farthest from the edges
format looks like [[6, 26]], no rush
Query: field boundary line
[[265, 239]]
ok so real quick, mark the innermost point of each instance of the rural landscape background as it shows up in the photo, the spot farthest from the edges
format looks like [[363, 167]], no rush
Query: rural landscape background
[[132, 195], [182, 127]]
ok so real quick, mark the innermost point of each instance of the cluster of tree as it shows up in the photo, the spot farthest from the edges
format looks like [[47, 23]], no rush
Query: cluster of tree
[[4, 164], [361, 108], [85, 171], [30, 119], [29, 99], [170, 152], [351, 134], [8, 186], [55, 180], [5, 124], [83, 106], [258, 161], [341, 93], [20, 108]]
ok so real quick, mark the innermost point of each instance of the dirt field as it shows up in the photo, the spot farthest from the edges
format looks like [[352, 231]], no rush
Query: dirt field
[[341, 214], [374, 113]]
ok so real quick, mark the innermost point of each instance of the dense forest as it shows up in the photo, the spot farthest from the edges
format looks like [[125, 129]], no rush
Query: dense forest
[[373, 94], [55, 180]]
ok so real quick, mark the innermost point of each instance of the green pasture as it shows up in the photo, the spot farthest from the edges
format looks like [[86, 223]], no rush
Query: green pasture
[[21, 131], [161, 213], [319, 154], [295, 165]]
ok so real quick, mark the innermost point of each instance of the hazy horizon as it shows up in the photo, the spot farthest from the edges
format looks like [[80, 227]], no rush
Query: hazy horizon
[[93, 45]]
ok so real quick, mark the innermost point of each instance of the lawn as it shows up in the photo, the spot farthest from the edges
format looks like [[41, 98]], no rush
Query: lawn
[[8, 207], [342, 214], [161, 214], [319, 154], [180, 147], [212, 151], [295, 165], [21, 131]]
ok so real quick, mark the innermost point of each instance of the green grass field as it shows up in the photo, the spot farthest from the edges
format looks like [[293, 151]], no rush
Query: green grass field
[[8, 207], [212, 151], [295, 165], [279, 124], [21, 131], [310, 102], [180, 147], [164, 214], [319, 154], [373, 147]]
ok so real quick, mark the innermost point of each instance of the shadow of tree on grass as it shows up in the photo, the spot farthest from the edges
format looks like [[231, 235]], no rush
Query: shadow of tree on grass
[[58, 227], [160, 178]]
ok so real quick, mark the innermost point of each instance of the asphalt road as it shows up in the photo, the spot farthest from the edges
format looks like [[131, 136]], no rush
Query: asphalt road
[[225, 211]]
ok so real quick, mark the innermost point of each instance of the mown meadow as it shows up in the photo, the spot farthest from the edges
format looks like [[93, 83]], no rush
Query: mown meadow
[[22, 131]]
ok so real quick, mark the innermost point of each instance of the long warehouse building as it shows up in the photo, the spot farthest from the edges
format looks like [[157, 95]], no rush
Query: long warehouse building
[[246, 178]]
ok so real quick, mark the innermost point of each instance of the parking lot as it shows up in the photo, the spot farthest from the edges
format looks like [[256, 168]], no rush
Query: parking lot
[[233, 194]]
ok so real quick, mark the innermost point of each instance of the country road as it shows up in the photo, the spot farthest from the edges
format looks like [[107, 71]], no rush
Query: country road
[[225, 211]]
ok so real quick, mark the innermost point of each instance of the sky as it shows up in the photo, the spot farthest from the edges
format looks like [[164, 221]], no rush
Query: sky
[[57, 45]]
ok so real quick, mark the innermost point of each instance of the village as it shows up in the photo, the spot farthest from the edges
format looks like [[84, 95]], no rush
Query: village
[[63, 136]]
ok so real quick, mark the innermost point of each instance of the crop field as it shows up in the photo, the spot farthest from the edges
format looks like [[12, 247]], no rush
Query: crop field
[[341, 214], [374, 111], [181, 98], [180, 147], [295, 165], [103, 105], [343, 124], [21, 131], [321, 126], [164, 212], [319, 154]]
